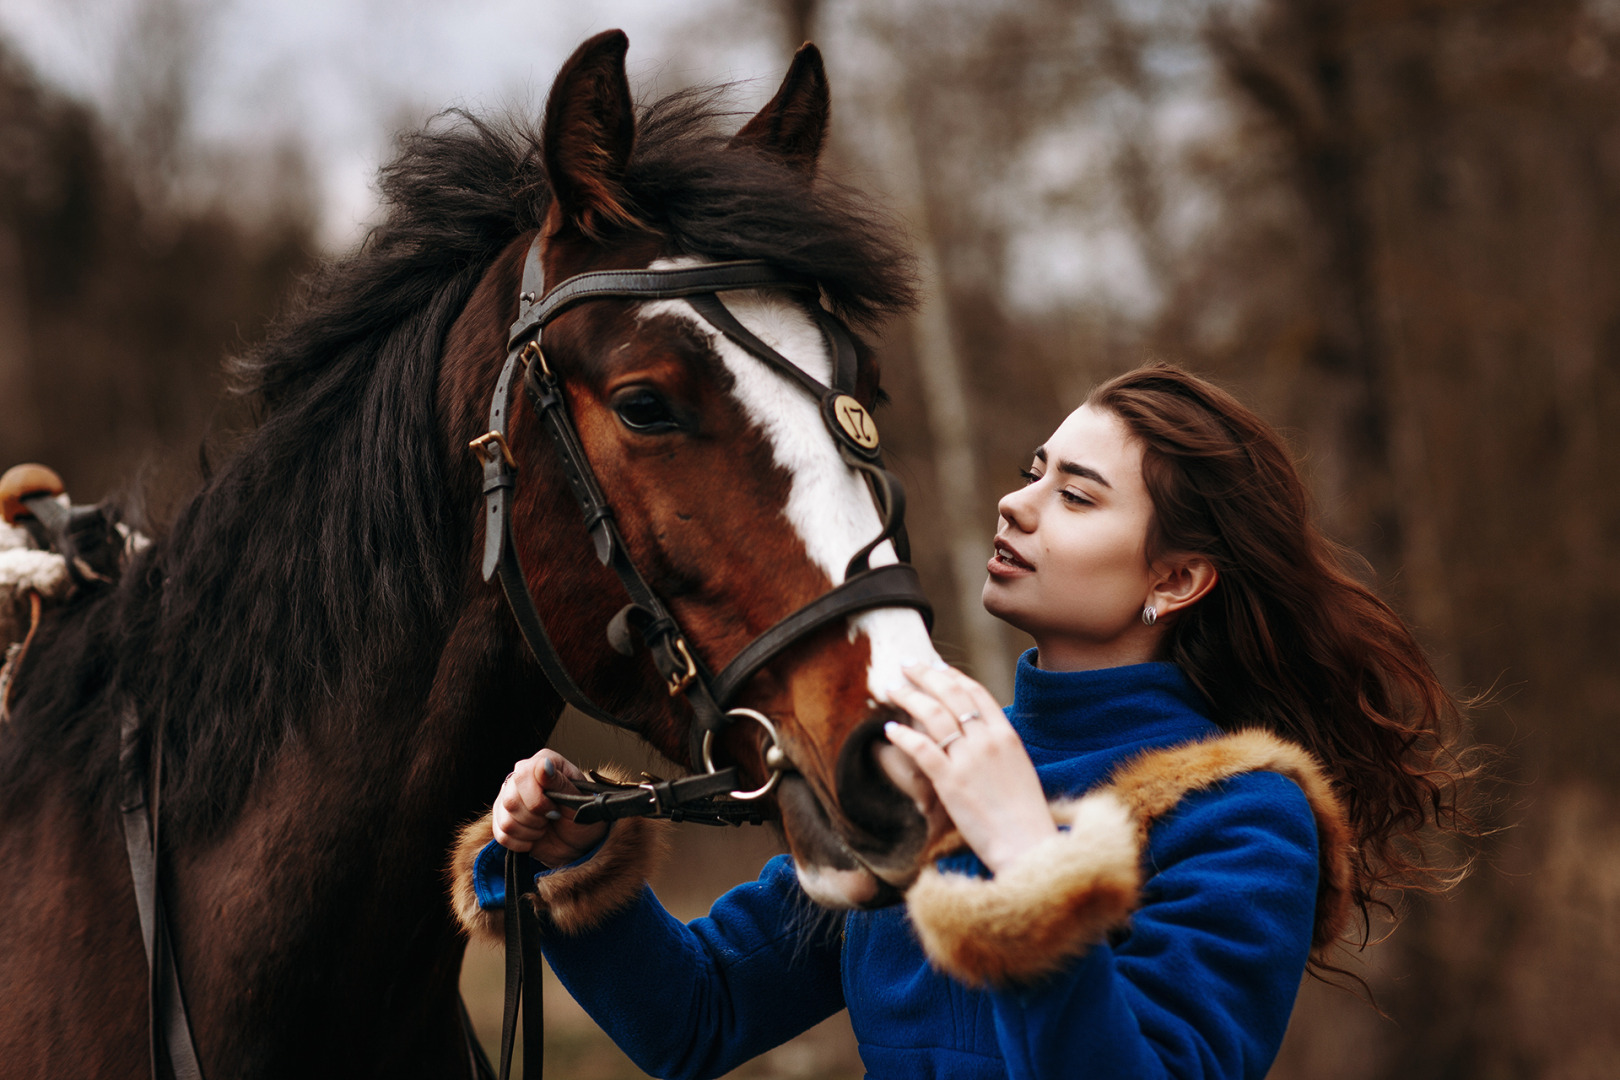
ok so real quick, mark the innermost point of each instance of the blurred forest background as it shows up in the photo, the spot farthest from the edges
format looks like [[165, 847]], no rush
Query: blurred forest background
[[1391, 225]]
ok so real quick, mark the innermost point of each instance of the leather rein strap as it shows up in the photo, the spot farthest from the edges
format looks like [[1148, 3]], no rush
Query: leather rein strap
[[168, 1023], [695, 798], [166, 1009]]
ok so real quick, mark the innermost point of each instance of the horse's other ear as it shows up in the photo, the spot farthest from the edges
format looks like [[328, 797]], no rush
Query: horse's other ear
[[793, 124], [589, 129]]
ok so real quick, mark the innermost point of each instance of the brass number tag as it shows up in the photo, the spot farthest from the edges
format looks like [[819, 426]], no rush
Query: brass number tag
[[856, 421]]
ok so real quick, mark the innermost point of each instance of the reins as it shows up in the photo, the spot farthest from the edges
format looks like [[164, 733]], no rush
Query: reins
[[710, 797], [167, 1019]]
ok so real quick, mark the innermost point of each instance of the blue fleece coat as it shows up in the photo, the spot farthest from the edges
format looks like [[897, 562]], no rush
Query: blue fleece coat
[[1200, 985]]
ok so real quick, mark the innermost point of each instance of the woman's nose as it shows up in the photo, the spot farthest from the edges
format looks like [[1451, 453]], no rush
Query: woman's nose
[[1018, 509]]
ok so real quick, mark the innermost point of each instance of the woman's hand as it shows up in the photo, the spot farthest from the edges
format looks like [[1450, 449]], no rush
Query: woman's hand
[[962, 742], [527, 820]]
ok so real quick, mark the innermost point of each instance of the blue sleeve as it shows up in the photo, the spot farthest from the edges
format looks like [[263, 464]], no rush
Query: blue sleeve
[[1203, 983], [699, 999]]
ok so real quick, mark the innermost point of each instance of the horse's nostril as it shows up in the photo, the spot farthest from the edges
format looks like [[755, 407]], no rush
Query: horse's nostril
[[869, 799]]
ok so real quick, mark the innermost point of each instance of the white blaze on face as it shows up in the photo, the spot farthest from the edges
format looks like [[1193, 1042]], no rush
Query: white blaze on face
[[829, 504]]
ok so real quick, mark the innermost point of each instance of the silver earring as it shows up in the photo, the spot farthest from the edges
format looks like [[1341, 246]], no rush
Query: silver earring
[[1150, 615]]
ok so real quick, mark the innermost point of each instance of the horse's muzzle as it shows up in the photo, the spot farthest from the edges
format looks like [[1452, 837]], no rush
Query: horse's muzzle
[[888, 826]]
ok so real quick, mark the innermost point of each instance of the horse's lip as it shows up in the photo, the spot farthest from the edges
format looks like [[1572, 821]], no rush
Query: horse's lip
[[893, 880], [891, 885]]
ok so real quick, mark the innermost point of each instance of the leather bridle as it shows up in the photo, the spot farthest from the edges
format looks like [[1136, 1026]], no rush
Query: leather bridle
[[709, 695], [700, 797]]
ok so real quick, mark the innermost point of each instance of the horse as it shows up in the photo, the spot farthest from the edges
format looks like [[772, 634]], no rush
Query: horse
[[327, 685]]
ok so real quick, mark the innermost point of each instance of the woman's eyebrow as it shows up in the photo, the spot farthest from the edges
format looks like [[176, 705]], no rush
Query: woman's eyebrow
[[1074, 468]]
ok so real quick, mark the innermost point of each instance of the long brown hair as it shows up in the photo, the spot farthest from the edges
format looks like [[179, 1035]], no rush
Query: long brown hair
[[1288, 640]]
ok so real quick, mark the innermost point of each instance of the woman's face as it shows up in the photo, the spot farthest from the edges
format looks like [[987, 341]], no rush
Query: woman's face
[[1070, 566]]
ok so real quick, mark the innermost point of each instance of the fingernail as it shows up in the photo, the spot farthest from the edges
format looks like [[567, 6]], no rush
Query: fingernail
[[891, 727], [550, 767], [908, 662], [553, 815]]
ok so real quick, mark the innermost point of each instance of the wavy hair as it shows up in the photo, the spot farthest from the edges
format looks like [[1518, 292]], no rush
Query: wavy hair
[[1289, 640]]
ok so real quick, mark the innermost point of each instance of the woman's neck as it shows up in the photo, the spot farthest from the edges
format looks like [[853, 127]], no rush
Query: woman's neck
[[1066, 654]]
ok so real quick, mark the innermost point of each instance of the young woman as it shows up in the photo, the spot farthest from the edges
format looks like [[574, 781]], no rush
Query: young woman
[[1220, 751]]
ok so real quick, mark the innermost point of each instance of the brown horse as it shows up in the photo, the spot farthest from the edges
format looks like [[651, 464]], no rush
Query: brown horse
[[331, 687]]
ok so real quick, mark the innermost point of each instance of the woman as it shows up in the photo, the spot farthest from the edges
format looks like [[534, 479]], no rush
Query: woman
[[1221, 748]]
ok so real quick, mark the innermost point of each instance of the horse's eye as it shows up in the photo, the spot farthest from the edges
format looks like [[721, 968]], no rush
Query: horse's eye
[[645, 411]]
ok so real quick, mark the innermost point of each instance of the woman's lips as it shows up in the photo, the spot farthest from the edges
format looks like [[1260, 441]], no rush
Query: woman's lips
[[1007, 563]]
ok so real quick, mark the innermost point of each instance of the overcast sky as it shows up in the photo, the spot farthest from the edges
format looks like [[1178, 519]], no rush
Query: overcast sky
[[340, 75], [337, 78]]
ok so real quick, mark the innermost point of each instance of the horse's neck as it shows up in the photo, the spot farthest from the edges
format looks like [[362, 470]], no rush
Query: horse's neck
[[327, 895]]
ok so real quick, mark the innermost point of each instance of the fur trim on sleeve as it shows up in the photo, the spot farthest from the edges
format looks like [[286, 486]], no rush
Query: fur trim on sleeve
[[1154, 783], [1069, 891], [574, 899], [476, 923], [1058, 898]]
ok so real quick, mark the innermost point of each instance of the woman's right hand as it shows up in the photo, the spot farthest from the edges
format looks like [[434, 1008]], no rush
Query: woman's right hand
[[527, 820]]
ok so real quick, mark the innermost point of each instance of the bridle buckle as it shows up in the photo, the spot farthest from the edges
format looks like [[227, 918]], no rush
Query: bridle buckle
[[486, 444], [532, 352], [679, 681]]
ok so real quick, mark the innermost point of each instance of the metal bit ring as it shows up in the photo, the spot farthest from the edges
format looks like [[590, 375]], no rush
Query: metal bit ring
[[775, 756]]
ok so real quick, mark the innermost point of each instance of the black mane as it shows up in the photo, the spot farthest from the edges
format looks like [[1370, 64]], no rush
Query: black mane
[[322, 562]]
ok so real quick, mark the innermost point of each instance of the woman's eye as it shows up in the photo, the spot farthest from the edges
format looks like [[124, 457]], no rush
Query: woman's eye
[[645, 411], [1074, 498], [1029, 475]]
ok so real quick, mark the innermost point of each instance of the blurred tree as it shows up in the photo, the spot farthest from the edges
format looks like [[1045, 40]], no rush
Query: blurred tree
[[1443, 332], [117, 306], [152, 79]]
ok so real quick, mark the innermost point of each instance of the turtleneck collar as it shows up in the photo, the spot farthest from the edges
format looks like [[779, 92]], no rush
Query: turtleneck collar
[[1063, 714]]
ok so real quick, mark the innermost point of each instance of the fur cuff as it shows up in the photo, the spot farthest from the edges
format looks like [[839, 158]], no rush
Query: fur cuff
[[1059, 898], [1154, 783], [574, 899], [1068, 892]]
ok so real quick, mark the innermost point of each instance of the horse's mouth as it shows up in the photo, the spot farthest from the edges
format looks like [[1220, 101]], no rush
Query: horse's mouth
[[864, 848], [829, 871]]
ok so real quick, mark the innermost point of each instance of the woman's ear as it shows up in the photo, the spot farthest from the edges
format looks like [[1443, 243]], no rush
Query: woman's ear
[[1182, 580]]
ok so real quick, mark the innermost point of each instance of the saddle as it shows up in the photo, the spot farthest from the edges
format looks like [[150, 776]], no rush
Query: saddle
[[49, 549], [88, 539]]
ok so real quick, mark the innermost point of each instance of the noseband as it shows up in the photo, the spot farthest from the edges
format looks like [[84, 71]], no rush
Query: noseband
[[645, 617]]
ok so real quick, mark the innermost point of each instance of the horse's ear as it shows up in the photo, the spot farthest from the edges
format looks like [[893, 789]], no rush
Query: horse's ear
[[589, 129], [793, 124]]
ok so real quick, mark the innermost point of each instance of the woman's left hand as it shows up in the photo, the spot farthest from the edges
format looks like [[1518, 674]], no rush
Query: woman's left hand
[[963, 743]]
